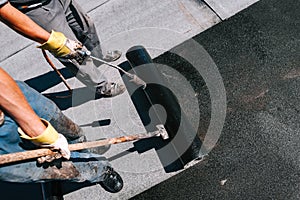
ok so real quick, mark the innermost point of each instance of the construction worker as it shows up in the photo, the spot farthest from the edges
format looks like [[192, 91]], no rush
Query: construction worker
[[29, 123], [29, 120], [67, 17]]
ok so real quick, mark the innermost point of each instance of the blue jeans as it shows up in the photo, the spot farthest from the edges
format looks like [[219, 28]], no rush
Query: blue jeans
[[82, 167]]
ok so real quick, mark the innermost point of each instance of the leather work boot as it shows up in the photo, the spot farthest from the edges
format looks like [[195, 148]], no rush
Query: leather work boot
[[112, 181], [112, 56], [111, 89]]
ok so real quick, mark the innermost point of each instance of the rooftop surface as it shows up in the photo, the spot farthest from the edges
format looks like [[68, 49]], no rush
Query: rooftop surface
[[255, 53]]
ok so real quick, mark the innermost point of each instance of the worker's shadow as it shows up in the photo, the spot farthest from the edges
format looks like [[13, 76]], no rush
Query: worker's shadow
[[63, 99]]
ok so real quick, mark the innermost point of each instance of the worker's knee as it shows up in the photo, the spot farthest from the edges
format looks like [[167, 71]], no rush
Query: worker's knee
[[66, 126]]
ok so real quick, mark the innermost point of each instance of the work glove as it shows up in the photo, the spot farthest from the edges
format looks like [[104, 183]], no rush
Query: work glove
[[62, 47], [50, 138]]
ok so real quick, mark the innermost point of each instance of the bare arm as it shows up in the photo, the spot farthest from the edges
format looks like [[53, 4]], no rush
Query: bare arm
[[55, 42], [15, 104], [22, 24]]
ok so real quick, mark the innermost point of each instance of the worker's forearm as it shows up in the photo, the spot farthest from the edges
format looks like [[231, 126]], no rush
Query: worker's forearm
[[13, 102], [22, 24]]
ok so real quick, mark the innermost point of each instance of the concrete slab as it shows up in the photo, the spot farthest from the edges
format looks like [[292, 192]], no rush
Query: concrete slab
[[228, 8], [11, 42], [122, 24], [92, 4]]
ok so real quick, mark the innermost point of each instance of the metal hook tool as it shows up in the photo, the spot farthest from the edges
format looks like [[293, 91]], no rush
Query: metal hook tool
[[134, 78]]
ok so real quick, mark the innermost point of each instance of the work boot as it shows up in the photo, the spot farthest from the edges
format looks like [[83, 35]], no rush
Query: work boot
[[110, 89], [112, 181], [112, 56]]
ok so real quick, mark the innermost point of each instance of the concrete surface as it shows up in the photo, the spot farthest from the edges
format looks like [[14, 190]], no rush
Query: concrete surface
[[227, 8], [159, 26]]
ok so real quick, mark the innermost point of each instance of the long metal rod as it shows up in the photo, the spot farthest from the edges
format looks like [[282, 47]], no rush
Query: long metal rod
[[137, 80]]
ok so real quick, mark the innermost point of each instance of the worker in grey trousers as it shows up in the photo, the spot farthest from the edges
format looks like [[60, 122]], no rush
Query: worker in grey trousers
[[67, 16]]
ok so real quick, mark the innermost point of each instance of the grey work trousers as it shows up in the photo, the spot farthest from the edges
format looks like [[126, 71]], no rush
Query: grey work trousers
[[67, 16], [82, 167]]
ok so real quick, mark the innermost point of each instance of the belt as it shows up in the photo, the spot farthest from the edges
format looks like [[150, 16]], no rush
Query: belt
[[30, 6], [1, 117]]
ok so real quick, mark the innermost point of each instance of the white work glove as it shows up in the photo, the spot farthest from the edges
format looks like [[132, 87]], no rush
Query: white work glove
[[51, 139], [62, 47], [61, 145]]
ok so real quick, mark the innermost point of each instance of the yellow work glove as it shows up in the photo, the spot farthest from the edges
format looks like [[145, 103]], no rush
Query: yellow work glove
[[50, 138], [62, 47]]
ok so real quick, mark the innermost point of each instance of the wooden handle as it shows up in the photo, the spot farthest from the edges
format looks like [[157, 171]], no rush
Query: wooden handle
[[25, 155]]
